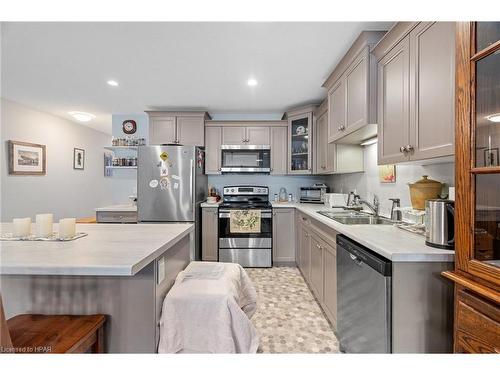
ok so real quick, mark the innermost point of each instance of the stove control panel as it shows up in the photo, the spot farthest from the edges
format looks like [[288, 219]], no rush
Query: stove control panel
[[246, 190]]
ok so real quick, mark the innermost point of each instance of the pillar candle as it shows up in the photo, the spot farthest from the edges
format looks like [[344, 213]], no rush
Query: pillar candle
[[67, 228], [44, 225], [21, 228]]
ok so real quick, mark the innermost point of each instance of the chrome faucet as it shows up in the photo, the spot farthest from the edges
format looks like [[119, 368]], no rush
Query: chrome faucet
[[372, 206]]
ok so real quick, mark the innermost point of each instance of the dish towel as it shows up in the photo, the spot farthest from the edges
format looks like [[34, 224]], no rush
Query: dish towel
[[244, 221], [208, 310]]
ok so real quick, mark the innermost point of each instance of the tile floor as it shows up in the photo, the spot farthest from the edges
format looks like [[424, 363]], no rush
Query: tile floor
[[288, 318]]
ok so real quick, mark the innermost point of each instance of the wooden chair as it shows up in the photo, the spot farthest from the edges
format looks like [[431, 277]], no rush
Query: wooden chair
[[34, 333]]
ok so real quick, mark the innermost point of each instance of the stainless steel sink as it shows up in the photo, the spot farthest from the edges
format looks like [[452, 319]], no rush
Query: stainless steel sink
[[355, 218], [347, 213], [363, 220]]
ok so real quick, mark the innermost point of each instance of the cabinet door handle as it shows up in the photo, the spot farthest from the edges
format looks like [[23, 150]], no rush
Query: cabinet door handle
[[307, 235], [220, 169], [402, 149], [318, 246], [409, 148], [271, 169]]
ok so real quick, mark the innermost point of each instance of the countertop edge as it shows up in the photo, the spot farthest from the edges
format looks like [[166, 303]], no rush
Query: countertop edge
[[95, 270], [397, 257]]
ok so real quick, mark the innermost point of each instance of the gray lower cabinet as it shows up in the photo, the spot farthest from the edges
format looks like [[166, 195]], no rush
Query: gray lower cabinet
[[209, 230], [317, 260], [283, 235], [330, 282], [279, 150], [416, 92], [213, 139], [316, 271], [305, 251]]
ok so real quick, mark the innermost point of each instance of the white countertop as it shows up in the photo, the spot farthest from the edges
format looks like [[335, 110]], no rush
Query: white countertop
[[108, 250], [392, 243], [119, 208]]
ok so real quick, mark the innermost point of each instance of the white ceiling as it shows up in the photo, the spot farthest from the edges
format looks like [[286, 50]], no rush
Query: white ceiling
[[61, 67]]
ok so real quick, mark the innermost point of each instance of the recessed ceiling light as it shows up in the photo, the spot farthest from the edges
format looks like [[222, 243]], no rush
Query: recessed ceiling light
[[112, 82], [252, 82], [82, 116], [494, 117]]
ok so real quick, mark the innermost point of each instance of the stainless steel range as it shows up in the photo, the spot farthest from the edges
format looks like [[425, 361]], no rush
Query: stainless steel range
[[245, 226]]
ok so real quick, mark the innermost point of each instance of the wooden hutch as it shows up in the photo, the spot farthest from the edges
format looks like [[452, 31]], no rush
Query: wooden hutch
[[477, 218]]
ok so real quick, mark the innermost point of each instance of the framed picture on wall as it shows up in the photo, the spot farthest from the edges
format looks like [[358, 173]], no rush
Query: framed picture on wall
[[387, 173], [26, 158], [78, 158]]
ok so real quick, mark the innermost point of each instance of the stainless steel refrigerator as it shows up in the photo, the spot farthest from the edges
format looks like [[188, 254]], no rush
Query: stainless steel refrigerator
[[171, 184]]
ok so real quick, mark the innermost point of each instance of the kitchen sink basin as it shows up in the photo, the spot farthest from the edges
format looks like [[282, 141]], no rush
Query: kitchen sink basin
[[355, 218], [347, 213], [363, 220]]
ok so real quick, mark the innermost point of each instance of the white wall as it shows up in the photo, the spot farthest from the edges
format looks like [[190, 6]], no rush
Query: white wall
[[63, 191], [367, 184]]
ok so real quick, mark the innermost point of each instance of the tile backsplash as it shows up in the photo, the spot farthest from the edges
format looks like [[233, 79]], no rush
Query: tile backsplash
[[291, 183], [367, 183]]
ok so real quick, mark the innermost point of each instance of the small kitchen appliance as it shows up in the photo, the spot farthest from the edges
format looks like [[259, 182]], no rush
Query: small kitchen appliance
[[440, 223], [245, 159], [313, 194], [246, 226]]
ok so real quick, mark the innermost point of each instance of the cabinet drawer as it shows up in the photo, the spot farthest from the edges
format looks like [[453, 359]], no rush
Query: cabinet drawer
[[116, 217], [478, 326]]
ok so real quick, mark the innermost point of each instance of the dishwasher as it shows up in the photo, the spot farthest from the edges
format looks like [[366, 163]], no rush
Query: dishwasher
[[363, 299]]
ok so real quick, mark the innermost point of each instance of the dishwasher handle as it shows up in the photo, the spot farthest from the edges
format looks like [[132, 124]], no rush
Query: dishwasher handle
[[356, 260]]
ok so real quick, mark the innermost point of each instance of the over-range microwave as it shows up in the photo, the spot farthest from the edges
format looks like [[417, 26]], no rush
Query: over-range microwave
[[245, 158]]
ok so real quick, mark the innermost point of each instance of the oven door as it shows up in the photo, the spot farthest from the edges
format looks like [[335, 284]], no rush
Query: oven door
[[247, 158], [228, 239]]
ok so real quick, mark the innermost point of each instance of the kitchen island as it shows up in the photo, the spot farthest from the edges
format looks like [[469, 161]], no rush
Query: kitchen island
[[123, 271]]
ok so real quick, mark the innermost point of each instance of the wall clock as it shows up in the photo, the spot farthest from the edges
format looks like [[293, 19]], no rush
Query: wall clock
[[129, 126]]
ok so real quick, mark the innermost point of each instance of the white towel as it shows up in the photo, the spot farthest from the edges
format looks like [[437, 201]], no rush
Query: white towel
[[203, 313]]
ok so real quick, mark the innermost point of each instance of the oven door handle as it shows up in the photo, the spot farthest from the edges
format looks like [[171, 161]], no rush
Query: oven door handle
[[227, 214]]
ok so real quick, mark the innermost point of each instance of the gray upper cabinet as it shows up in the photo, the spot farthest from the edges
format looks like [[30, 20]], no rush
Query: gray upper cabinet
[[258, 135], [162, 130], [325, 152], [279, 153], [184, 128], [209, 220], [432, 90], [356, 87], [352, 92], [393, 103], [300, 140], [336, 110], [233, 135], [416, 74], [213, 135], [245, 135], [190, 130]]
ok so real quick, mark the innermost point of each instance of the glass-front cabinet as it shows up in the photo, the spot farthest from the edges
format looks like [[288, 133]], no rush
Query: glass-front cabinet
[[300, 146], [478, 167]]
